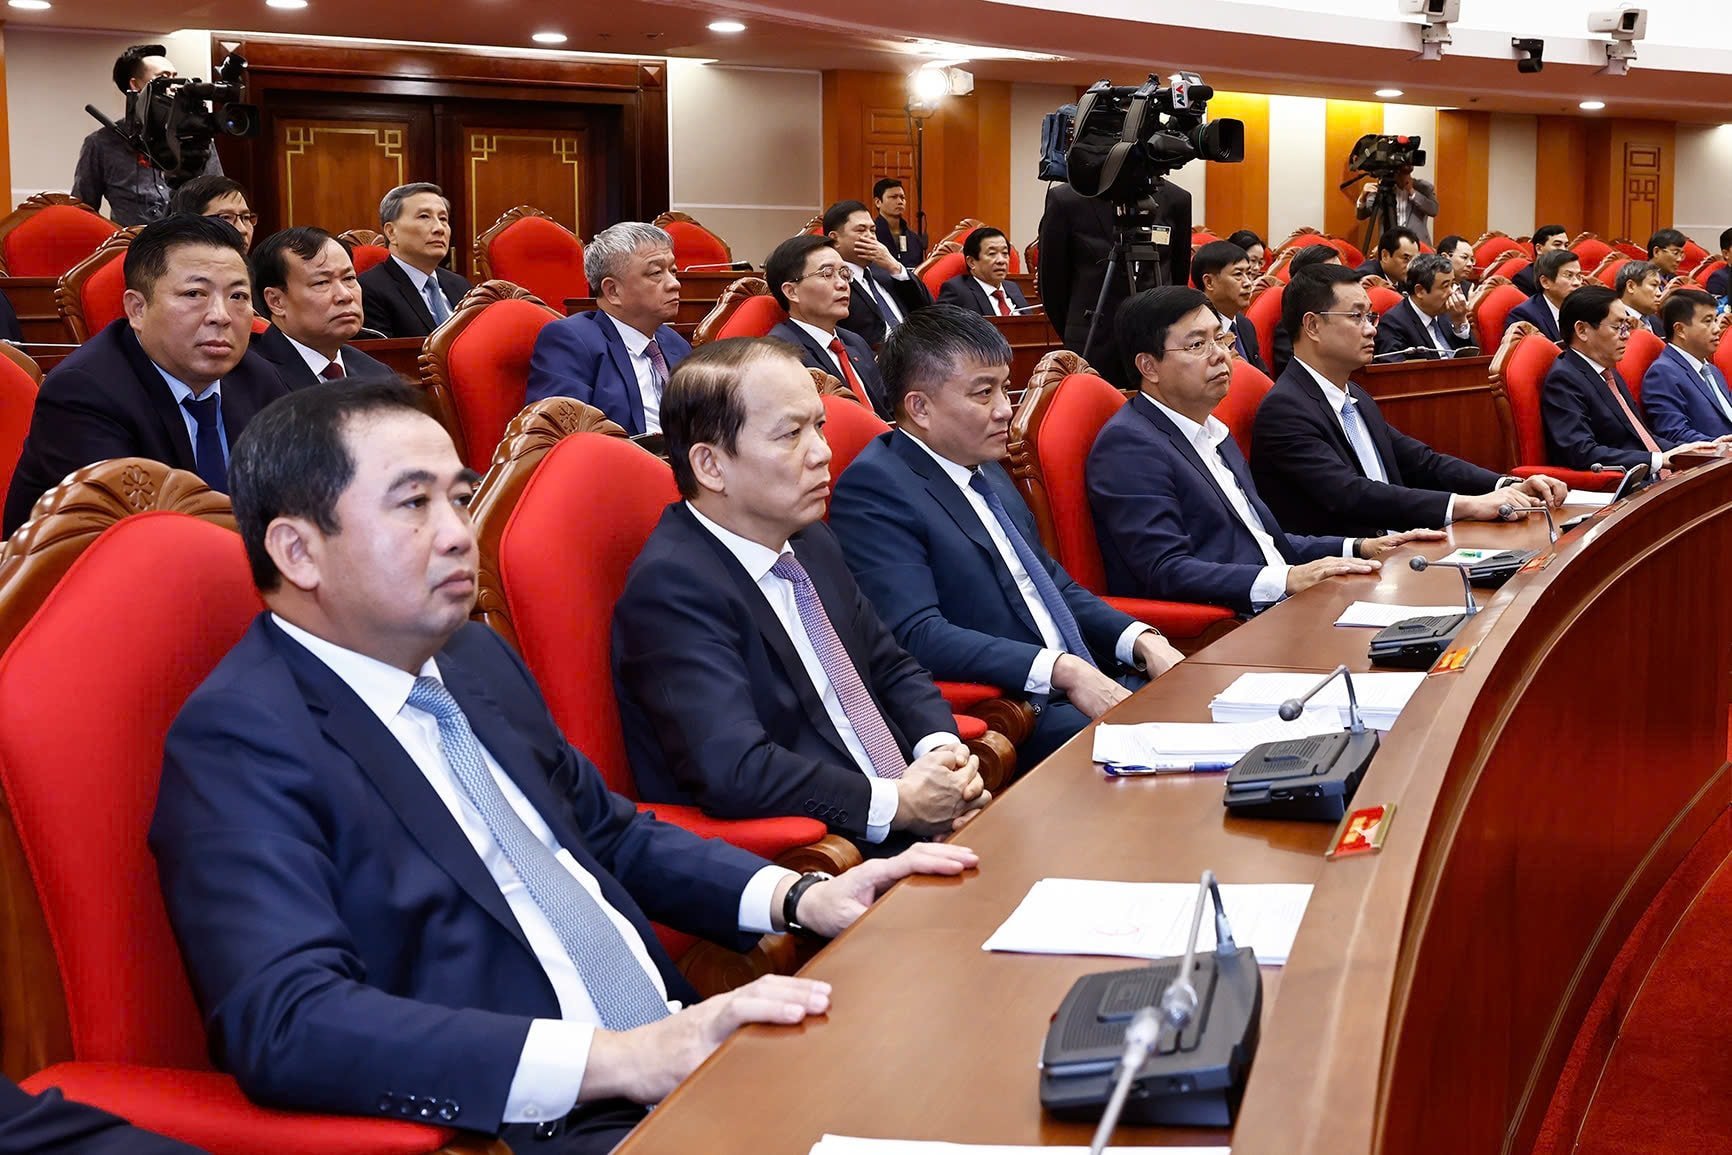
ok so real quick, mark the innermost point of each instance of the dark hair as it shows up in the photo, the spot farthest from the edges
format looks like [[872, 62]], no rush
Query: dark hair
[[1552, 262], [1212, 258], [978, 237], [1665, 239], [147, 256], [1590, 303], [1144, 319], [1423, 271], [1312, 291], [1312, 256], [292, 459], [1725, 239], [1391, 239], [1545, 233], [196, 194], [837, 214], [926, 349], [1447, 244], [1680, 309], [705, 400], [1245, 238], [1633, 271], [883, 185], [130, 63], [270, 264], [788, 260]]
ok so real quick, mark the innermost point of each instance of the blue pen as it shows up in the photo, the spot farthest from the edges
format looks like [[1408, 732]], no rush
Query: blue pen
[[1182, 768]]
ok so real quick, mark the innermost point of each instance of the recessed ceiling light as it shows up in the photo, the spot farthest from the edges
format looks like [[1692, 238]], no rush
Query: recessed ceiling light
[[549, 38], [285, 3], [30, 5], [726, 26], [1387, 93], [1591, 105]]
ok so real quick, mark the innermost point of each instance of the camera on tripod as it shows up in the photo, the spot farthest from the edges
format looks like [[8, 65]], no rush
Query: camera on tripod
[[1128, 139], [1382, 156], [171, 121]]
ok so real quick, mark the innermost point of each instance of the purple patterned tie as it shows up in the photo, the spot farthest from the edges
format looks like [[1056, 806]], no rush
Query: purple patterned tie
[[857, 705], [658, 365]]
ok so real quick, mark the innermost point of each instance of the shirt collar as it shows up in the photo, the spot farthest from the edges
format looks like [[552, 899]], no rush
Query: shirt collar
[[416, 276], [989, 290], [960, 474], [1208, 435], [316, 361], [381, 686], [814, 332], [182, 391], [1695, 365], [1423, 315], [1332, 393], [755, 558], [635, 342], [1599, 369], [855, 272]]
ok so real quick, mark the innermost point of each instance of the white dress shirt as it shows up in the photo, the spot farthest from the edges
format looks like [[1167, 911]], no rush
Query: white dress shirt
[[1655, 460], [779, 592], [317, 361], [992, 292], [824, 340], [556, 1051], [858, 282], [1040, 673], [637, 351], [417, 278], [1429, 322], [181, 392], [1556, 316]]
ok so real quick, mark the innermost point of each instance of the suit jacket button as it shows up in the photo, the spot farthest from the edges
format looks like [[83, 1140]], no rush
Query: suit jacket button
[[842, 817], [388, 1101], [449, 1110], [811, 807], [546, 1130]]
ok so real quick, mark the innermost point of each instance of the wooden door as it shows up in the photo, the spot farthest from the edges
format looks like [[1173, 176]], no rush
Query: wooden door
[[332, 159]]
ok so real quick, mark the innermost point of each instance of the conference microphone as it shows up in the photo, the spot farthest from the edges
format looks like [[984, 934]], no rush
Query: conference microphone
[[710, 268], [1027, 309], [1426, 352], [1417, 643], [1598, 467], [1293, 707], [1466, 351], [1420, 565], [1304, 778], [1508, 512]]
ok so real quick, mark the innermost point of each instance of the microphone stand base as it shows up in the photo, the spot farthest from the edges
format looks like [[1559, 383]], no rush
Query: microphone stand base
[[1301, 779]]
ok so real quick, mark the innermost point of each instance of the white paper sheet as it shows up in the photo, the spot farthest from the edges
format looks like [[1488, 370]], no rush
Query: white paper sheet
[[1207, 744], [1259, 694], [1379, 614], [1587, 497], [1148, 919], [844, 1145]]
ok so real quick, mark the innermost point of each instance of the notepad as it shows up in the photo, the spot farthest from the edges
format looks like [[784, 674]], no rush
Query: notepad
[[1380, 614], [847, 1145], [1179, 746], [1259, 694], [1148, 919], [1588, 497]]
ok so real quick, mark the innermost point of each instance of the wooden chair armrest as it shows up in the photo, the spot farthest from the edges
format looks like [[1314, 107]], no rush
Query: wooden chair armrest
[[714, 969], [831, 854]]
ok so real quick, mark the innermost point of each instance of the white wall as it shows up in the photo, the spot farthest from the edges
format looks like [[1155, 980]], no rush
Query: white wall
[[51, 74], [1029, 103], [1298, 128], [1702, 175], [1415, 120], [1510, 185]]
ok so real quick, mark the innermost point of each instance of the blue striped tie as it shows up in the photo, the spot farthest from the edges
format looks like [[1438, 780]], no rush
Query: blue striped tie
[[1068, 630]]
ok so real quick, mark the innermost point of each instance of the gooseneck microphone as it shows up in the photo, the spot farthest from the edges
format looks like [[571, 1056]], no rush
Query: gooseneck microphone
[[1293, 707], [1507, 512], [1471, 607]]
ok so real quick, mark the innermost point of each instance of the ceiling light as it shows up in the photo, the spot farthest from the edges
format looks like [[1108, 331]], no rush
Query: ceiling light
[[549, 38], [1387, 93], [285, 3], [30, 5], [726, 26], [1591, 105], [954, 53]]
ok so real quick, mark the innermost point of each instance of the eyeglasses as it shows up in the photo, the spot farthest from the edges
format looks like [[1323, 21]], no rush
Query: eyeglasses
[[1623, 328], [828, 272], [1356, 318], [235, 220], [1219, 341]]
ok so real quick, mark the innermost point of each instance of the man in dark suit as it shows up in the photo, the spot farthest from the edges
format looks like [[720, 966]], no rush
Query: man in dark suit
[[618, 356], [1175, 510], [1327, 461], [398, 890], [304, 280], [894, 231], [50, 1124], [1432, 316], [754, 679], [1221, 270], [1640, 286], [1546, 238], [1718, 280], [411, 294], [884, 290], [1560, 274], [172, 380], [943, 545], [1308, 257], [1395, 250], [809, 279], [1077, 235], [1684, 395], [1589, 415], [984, 286]]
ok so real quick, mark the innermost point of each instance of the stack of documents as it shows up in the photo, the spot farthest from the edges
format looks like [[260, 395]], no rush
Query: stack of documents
[[1149, 919], [1587, 497], [843, 1145], [1377, 615], [1176, 747], [1259, 694]]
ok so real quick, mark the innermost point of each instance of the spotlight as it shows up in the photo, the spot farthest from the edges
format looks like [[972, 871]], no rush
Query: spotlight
[[1530, 50]]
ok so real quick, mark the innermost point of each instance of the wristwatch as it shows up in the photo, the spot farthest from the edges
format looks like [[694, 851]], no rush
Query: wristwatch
[[791, 901]]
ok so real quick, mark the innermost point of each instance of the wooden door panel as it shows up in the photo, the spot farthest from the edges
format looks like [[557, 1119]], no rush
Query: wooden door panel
[[331, 173]]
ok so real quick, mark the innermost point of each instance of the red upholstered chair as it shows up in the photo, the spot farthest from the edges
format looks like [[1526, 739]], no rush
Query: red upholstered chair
[[1491, 246], [1591, 249], [1630, 249], [1265, 313], [939, 268], [1491, 312], [1510, 266], [1723, 357], [745, 309], [1641, 351], [476, 365], [1694, 255], [1238, 409], [529, 248], [693, 243], [1031, 255], [1705, 270], [1518, 373], [48, 234], [89, 294], [1607, 272], [97, 994], [1351, 256], [1050, 437], [1383, 298], [366, 248], [19, 378]]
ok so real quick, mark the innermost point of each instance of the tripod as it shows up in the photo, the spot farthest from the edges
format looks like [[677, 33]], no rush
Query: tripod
[[1382, 209], [1139, 245]]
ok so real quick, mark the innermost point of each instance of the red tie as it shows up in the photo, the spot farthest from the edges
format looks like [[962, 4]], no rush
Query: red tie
[[332, 372], [853, 382], [1648, 441], [1003, 305]]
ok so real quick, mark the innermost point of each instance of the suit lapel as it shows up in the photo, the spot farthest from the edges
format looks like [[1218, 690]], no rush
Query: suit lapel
[[1377, 429], [413, 301], [1331, 419], [623, 366], [1182, 444], [161, 397]]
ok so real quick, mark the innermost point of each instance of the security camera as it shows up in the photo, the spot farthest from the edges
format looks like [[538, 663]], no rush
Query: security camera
[[1530, 51], [1434, 11], [1627, 23]]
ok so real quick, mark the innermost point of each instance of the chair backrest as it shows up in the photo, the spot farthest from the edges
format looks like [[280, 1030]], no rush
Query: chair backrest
[[1031, 255], [1510, 266], [1705, 270], [1630, 249], [1518, 374], [19, 378], [1694, 255], [1351, 256], [1265, 313], [1643, 349], [1492, 311], [1591, 249], [849, 427], [48, 234], [1607, 272], [745, 309], [1238, 409], [1383, 298], [529, 248], [89, 294], [693, 243], [366, 248], [939, 268], [1050, 438], [1490, 246], [1723, 357], [476, 365], [80, 784]]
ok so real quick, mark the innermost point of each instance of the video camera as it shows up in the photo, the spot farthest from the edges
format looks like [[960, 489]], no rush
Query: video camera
[[1128, 139], [1380, 155], [170, 120]]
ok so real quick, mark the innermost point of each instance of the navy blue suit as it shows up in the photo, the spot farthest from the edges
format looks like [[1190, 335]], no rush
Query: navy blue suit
[[1718, 281], [1309, 475], [1537, 313], [965, 292], [107, 400], [1248, 346], [860, 355], [718, 710], [273, 345], [349, 949], [1584, 424], [48, 1124], [393, 307], [923, 556], [583, 356], [1165, 527], [867, 318], [1404, 328], [1677, 404]]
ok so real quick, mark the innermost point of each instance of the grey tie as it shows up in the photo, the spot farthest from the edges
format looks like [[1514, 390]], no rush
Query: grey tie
[[435, 299], [1716, 392], [617, 983], [1360, 438]]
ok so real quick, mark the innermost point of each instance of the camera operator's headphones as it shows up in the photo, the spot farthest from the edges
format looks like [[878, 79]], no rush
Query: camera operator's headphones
[[127, 64]]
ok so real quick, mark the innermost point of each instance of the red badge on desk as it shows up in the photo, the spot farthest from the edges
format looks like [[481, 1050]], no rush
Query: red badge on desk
[[1362, 831]]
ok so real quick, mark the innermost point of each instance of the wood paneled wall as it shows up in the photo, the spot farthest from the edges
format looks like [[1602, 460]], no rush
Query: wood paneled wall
[[1611, 177], [1464, 153], [1236, 196], [1561, 173]]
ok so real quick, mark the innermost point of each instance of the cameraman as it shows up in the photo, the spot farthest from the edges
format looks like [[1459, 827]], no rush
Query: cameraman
[[108, 165], [1412, 207]]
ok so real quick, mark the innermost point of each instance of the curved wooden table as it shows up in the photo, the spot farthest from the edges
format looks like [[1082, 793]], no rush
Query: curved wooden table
[[1544, 793]]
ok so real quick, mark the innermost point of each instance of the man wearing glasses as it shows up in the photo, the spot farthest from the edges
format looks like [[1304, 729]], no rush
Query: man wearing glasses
[[809, 279], [221, 198], [1559, 273], [1328, 463]]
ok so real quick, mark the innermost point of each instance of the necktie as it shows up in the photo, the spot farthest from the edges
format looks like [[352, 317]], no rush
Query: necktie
[[1238, 341], [1716, 392], [617, 983], [333, 371], [207, 448], [1360, 438], [1641, 430], [435, 300], [658, 365], [1003, 303], [848, 375], [1033, 563], [891, 320], [857, 704], [1445, 339]]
